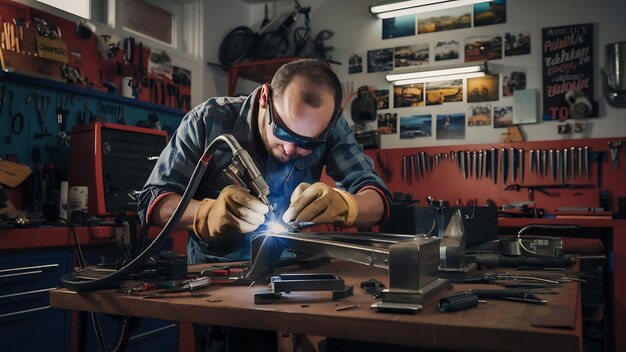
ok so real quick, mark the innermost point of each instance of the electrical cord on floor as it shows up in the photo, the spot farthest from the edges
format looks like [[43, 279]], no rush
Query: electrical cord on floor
[[95, 319]]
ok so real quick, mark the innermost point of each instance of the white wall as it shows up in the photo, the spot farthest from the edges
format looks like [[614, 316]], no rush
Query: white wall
[[356, 31]]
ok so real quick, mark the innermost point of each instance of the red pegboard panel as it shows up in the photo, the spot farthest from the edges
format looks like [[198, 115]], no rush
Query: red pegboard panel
[[96, 69], [446, 181]]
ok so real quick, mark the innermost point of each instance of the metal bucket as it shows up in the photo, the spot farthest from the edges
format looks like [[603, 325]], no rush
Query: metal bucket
[[616, 66]]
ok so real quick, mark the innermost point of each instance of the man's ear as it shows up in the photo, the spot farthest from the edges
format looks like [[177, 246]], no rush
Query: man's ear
[[265, 91]]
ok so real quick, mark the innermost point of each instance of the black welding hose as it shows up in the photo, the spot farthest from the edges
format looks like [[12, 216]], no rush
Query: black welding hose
[[73, 282]]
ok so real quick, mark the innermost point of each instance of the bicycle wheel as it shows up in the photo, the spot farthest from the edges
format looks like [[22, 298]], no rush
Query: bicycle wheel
[[236, 46]]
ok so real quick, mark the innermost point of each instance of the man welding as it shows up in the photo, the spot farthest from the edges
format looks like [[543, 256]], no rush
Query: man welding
[[291, 128]]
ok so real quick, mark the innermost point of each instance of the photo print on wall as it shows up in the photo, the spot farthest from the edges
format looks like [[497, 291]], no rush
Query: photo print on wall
[[411, 55], [387, 123], [517, 43], [355, 64], [444, 20], [513, 81], [485, 88], [441, 92], [447, 50], [408, 95], [484, 47], [488, 13], [415, 126], [380, 60], [502, 116], [451, 126], [382, 98], [396, 27], [479, 115]]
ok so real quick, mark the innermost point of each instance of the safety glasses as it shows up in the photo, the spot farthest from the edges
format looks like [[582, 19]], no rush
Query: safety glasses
[[282, 132]]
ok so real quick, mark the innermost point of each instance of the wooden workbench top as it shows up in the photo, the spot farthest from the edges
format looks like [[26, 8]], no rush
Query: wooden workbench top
[[492, 326]]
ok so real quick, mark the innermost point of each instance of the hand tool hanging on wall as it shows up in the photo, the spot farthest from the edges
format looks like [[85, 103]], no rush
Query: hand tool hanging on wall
[[462, 163], [544, 164], [559, 165], [504, 165], [565, 164], [62, 112], [3, 92], [598, 157], [520, 159], [42, 104], [614, 147], [586, 152], [531, 161], [494, 165], [552, 165], [17, 120], [512, 164], [403, 168], [572, 161]]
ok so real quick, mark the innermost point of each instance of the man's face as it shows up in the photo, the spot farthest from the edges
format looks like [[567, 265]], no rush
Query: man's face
[[291, 111]]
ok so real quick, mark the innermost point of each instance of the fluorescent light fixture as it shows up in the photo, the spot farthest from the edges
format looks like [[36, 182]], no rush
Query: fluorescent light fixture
[[441, 73], [401, 8]]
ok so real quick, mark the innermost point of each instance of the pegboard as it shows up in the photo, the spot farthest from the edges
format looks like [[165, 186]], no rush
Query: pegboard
[[446, 181]]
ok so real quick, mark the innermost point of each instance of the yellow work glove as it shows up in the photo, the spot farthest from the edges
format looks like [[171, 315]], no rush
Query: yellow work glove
[[234, 210], [321, 204]]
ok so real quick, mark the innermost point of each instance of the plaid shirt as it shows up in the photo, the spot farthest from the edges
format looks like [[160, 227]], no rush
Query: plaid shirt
[[343, 157]]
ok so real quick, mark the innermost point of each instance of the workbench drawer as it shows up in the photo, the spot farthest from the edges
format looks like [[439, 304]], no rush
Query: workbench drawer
[[25, 271]]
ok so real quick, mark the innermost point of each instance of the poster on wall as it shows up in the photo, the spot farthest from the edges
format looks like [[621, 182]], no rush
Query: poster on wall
[[485, 88], [355, 64], [382, 98], [488, 13], [451, 126], [448, 50], [567, 70], [415, 126], [484, 47], [388, 123], [517, 43], [408, 95], [502, 116], [411, 55], [379, 60], [441, 92], [401, 26], [512, 81], [479, 115], [444, 20]]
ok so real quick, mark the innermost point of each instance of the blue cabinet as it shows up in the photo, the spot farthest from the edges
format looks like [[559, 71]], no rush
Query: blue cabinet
[[27, 322]]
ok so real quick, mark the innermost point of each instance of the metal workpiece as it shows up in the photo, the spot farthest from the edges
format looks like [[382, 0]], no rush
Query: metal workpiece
[[452, 246], [306, 282]]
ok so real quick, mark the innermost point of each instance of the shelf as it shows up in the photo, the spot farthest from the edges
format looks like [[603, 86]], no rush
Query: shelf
[[260, 71], [69, 88]]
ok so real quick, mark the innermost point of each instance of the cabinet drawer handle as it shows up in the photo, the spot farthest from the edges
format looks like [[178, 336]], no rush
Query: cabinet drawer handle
[[24, 273], [41, 267], [24, 311], [24, 293]]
